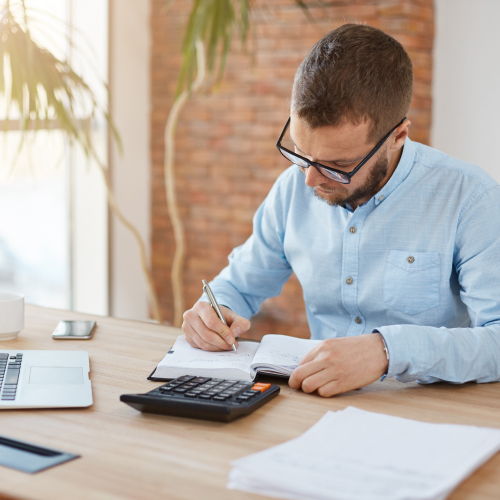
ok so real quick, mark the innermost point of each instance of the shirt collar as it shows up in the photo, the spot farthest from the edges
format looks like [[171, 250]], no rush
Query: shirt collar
[[399, 175]]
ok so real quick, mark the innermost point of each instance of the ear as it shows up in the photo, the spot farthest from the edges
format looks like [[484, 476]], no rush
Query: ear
[[400, 135]]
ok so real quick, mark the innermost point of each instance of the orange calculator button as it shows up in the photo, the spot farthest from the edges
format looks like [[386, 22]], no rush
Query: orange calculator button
[[261, 387]]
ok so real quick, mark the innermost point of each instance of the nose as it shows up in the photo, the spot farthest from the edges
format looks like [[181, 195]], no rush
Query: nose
[[313, 177]]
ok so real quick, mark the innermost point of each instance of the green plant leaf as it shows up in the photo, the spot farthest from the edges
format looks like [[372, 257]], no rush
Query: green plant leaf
[[44, 87], [214, 22]]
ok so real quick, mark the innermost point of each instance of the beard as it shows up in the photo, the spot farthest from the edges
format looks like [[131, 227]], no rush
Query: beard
[[373, 184]]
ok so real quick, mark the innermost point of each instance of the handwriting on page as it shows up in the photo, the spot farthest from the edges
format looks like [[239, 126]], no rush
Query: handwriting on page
[[279, 358], [185, 355], [280, 350], [228, 360]]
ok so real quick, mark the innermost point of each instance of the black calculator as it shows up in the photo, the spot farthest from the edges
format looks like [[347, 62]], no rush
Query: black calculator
[[204, 397]]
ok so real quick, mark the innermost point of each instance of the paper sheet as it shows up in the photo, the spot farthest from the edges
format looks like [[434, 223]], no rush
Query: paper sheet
[[355, 454]]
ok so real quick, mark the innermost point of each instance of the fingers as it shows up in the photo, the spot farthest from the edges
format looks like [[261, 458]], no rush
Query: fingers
[[315, 377], [238, 324], [330, 389], [203, 328], [306, 367], [211, 321], [199, 336], [302, 372]]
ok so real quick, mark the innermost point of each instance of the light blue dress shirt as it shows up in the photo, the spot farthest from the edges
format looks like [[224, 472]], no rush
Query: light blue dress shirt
[[419, 262]]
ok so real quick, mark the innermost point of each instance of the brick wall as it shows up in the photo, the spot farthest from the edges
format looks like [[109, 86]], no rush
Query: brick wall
[[226, 157]]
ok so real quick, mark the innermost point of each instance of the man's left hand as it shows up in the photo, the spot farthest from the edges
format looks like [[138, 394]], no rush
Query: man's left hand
[[341, 365]]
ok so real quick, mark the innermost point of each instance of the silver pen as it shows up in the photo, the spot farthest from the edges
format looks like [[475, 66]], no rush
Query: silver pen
[[216, 307]]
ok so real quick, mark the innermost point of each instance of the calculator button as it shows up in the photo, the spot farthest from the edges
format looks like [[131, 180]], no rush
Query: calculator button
[[205, 396], [185, 378], [243, 387], [220, 397], [181, 389], [250, 393], [190, 395], [201, 380], [242, 398], [217, 380], [261, 387]]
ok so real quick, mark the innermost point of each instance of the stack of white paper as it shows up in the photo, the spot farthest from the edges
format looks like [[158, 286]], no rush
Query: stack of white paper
[[358, 455]]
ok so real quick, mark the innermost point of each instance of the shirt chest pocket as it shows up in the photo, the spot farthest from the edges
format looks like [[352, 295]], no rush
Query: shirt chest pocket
[[411, 281]]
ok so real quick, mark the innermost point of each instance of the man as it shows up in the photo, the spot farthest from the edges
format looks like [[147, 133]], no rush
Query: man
[[396, 245]]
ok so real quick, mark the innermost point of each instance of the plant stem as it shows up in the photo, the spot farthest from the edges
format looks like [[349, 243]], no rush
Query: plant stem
[[170, 190]]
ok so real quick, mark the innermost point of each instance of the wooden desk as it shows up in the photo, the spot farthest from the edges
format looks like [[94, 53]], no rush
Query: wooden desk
[[129, 455]]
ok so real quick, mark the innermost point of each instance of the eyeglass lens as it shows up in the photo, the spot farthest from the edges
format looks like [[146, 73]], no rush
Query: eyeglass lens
[[301, 163]]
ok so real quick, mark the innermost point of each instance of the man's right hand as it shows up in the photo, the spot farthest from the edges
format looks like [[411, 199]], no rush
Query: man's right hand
[[204, 330]]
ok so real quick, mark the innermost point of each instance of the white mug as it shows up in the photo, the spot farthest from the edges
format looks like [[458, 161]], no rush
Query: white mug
[[11, 315]]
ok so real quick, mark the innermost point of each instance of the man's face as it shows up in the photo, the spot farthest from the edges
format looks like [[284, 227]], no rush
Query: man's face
[[341, 147]]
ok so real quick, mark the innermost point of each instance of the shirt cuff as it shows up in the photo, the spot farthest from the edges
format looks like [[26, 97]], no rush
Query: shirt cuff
[[386, 350], [403, 349]]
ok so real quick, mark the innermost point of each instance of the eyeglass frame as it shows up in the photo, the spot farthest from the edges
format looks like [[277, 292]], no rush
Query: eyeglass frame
[[346, 175]]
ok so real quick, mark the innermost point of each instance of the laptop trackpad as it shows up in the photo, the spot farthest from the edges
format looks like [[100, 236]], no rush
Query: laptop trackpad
[[56, 375]]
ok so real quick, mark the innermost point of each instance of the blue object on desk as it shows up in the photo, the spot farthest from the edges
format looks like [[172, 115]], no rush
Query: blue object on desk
[[29, 458]]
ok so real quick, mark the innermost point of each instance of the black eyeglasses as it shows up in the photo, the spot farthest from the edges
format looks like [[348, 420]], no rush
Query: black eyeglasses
[[330, 173]]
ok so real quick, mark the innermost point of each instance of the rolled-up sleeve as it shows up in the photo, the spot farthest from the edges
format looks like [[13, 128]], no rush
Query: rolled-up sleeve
[[258, 269]]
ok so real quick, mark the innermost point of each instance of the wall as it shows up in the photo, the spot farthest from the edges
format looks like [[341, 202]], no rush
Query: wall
[[130, 103], [466, 82], [226, 156]]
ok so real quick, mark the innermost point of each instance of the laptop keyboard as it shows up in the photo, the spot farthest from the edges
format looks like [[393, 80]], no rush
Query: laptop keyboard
[[10, 367]]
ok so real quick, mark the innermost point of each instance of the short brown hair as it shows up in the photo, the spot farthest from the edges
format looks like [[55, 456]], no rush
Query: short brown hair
[[354, 73]]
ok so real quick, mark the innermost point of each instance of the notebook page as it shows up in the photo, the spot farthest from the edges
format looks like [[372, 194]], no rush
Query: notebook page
[[186, 359], [395, 458], [281, 353]]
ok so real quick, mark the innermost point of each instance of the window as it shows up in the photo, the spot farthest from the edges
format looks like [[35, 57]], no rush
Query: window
[[53, 222]]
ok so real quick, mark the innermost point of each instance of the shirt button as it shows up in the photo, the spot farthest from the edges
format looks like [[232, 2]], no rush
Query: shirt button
[[358, 321], [349, 281], [352, 229], [381, 198], [410, 260]]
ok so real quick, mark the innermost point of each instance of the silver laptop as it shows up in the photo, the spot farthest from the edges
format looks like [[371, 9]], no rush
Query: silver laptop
[[44, 379]]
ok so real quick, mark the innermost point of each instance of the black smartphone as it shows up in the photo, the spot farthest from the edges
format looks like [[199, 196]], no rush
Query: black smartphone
[[74, 330]]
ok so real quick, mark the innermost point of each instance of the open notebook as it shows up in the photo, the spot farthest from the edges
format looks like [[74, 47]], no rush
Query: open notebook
[[274, 355]]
